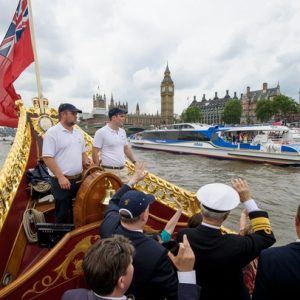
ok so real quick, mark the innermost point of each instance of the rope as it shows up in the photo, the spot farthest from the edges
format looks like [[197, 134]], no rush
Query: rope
[[31, 217]]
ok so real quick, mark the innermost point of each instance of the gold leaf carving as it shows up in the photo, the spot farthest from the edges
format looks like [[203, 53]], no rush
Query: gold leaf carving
[[15, 163], [61, 272]]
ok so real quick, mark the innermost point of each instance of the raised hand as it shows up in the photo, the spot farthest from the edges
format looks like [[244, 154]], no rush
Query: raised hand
[[242, 187], [179, 205], [139, 173], [185, 259]]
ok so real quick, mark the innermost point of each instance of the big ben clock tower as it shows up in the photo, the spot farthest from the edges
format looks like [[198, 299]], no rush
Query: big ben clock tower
[[167, 98]]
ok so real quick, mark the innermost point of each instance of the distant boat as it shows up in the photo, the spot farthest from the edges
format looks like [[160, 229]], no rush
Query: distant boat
[[277, 145], [6, 138]]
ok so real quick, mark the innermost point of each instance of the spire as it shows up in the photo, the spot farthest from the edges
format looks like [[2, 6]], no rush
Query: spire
[[216, 96], [167, 77], [227, 94], [137, 110], [112, 101], [167, 71]]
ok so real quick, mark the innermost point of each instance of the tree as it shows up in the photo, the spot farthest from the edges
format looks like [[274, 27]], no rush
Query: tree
[[284, 106], [191, 114], [264, 110], [232, 112]]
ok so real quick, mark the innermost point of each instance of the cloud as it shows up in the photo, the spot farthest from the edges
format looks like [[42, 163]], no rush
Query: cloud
[[124, 46]]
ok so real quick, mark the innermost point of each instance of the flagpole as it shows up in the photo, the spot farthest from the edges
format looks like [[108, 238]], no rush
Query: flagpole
[[36, 65]]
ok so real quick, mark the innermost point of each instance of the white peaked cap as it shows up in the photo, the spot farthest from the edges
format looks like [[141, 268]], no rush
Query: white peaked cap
[[218, 197]]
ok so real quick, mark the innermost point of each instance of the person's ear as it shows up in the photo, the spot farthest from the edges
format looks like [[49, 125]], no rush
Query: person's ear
[[143, 216], [120, 283]]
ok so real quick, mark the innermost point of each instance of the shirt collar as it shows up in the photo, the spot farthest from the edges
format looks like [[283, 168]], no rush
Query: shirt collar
[[298, 240], [62, 128], [113, 130], [112, 298], [211, 226]]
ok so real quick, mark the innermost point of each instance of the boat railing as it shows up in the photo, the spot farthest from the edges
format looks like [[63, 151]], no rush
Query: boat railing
[[15, 164], [165, 192]]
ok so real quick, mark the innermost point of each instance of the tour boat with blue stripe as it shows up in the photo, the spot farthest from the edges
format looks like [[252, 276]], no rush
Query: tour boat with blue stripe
[[266, 144]]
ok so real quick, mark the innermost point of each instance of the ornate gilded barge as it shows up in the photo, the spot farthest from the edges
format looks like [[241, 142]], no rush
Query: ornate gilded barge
[[28, 271]]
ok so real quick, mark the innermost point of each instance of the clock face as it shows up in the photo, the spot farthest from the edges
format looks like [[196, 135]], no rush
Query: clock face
[[45, 123], [170, 89], [163, 89]]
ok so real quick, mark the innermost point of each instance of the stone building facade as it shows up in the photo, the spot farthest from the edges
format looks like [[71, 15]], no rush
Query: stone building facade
[[99, 104], [212, 109], [250, 99], [99, 113]]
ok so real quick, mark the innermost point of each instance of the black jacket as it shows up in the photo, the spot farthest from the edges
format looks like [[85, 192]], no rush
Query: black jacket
[[278, 273], [154, 276], [221, 257]]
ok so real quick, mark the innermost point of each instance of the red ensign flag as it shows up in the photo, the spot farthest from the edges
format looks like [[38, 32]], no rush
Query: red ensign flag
[[16, 55]]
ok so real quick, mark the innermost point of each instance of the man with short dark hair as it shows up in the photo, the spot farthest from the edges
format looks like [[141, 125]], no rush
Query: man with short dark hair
[[278, 271], [127, 214], [111, 141], [220, 257], [64, 153], [108, 270]]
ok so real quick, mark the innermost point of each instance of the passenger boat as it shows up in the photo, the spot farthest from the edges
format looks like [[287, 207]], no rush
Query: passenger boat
[[264, 144]]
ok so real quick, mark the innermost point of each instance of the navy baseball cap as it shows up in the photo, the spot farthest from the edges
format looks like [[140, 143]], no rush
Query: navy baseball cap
[[135, 202], [69, 107], [116, 111]]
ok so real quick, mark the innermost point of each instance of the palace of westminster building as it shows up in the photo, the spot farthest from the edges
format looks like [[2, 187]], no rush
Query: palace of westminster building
[[212, 109], [99, 113]]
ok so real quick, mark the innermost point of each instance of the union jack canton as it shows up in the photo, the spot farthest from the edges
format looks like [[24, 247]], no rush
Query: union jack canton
[[16, 28]]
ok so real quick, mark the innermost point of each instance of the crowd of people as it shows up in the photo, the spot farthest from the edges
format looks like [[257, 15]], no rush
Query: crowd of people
[[201, 263]]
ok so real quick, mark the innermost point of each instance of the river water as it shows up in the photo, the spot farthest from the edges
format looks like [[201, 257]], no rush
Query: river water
[[275, 189]]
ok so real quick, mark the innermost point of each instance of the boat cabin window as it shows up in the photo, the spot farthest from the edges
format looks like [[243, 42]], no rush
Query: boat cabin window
[[238, 136], [182, 126], [173, 135]]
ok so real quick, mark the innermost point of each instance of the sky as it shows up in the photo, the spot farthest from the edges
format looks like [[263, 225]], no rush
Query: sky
[[123, 46]]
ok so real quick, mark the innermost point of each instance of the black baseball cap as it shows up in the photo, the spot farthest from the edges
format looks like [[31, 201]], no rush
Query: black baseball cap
[[69, 107], [135, 202], [116, 111]]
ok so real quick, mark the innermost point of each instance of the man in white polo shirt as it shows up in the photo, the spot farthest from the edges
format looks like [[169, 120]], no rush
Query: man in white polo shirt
[[65, 156], [111, 140]]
